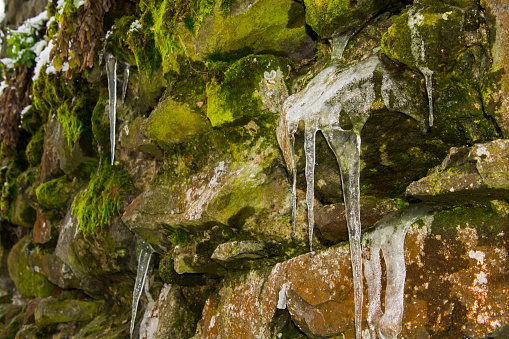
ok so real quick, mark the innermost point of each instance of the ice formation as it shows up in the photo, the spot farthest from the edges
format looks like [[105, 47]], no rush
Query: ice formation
[[143, 264], [340, 41], [349, 94], [111, 71], [415, 19], [125, 80], [388, 236]]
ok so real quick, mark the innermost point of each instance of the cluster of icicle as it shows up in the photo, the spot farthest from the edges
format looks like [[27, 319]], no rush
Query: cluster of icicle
[[111, 72], [334, 92], [143, 264], [389, 237]]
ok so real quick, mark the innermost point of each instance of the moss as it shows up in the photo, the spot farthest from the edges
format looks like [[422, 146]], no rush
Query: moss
[[56, 193], [34, 148], [172, 122], [231, 95], [28, 282], [104, 195], [487, 221], [9, 189]]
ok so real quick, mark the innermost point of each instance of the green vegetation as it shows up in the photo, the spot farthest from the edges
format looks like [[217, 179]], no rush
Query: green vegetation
[[104, 195], [35, 147], [56, 193]]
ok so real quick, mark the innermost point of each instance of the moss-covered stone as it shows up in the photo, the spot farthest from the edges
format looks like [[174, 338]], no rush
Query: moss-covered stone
[[329, 16], [28, 281], [275, 26], [34, 148], [57, 192], [54, 311], [237, 96], [172, 122]]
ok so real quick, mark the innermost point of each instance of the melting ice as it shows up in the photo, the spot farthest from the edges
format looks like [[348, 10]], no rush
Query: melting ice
[[143, 264], [332, 93], [388, 236], [111, 71]]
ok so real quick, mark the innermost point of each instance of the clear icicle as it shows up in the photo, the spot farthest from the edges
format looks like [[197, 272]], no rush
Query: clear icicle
[[111, 71], [141, 275], [309, 150], [347, 148], [294, 182], [125, 81], [389, 237], [102, 52]]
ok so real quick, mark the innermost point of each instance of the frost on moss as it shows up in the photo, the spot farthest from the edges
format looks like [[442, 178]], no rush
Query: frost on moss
[[104, 195]]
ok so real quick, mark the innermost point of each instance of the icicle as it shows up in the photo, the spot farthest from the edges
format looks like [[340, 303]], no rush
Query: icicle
[[143, 264], [415, 19], [388, 236], [428, 75], [125, 81], [294, 182], [309, 150], [102, 52], [347, 148], [340, 41], [111, 70]]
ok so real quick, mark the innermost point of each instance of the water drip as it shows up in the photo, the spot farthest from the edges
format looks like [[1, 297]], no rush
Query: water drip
[[125, 81], [111, 71], [389, 237], [141, 275]]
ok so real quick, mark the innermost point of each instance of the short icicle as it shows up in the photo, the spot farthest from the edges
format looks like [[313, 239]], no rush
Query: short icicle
[[111, 71], [389, 237], [141, 275], [125, 81], [428, 76]]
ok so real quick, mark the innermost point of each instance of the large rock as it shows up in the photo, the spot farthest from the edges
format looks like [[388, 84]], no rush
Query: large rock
[[468, 174], [53, 311], [450, 270], [257, 25], [29, 282]]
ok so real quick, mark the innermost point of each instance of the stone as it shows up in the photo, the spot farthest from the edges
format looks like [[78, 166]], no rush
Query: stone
[[236, 250], [332, 16], [458, 264], [497, 87], [330, 220], [195, 258], [132, 137], [467, 175], [45, 227], [183, 120], [29, 282], [52, 311], [53, 268], [174, 315], [260, 25]]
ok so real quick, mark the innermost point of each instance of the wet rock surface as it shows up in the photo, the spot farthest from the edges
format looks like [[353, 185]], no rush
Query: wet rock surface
[[202, 170]]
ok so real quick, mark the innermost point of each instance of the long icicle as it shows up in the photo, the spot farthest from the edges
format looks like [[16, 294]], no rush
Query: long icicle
[[111, 71], [347, 147], [141, 275], [294, 183], [309, 150]]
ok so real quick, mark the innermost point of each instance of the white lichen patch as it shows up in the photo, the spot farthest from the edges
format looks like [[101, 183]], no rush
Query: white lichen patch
[[468, 236], [478, 255]]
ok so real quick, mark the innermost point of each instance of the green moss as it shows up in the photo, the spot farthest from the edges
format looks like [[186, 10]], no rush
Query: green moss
[[34, 148], [484, 219], [9, 189], [104, 195], [28, 282], [172, 122], [232, 94], [56, 193]]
